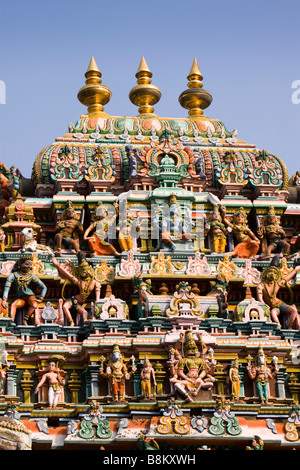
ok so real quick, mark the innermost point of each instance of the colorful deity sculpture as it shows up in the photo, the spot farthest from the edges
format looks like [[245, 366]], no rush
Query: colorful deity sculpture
[[217, 231], [100, 225], [68, 230], [273, 236], [189, 371], [83, 277], [272, 280], [247, 242], [52, 376], [117, 373], [2, 240], [129, 228], [148, 379], [22, 277], [234, 378], [261, 373], [171, 224]]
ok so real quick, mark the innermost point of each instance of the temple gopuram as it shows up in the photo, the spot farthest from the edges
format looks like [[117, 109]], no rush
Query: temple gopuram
[[149, 284]]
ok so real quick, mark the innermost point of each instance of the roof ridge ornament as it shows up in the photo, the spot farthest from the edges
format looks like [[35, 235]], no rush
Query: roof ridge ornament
[[144, 94], [195, 98], [94, 94]]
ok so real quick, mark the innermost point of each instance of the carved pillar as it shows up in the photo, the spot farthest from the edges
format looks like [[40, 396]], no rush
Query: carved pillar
[[280, 378], [11, 377], [92, 381], [294, 387], [160, 375], [26, 385], [74, 385], [136, 379], [242, 371], [220, 376]]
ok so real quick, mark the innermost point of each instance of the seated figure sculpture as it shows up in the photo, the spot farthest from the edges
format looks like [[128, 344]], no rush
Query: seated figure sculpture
[[273, 236], [68, 230], [247, 242], [267, 290], [22, 277], [100, 225], [172, 226], [189, 372]]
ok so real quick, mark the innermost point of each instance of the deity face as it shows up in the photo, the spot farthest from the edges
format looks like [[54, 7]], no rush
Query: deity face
[[165, 144], [52, 366], [216, 216], [191, 352], [84, 272], [261, 360], [116, 356], [239, 218], [70, 213], [271, 220], [26, 266], [271, 275], [101, 213]]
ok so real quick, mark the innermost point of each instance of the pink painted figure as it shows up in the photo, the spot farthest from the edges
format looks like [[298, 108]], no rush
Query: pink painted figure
[[55, 381]]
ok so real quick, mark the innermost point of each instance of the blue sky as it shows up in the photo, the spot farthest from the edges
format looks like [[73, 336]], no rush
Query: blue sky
[[248, 54]]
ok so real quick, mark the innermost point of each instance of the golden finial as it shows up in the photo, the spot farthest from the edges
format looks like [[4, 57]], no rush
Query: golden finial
[[195, 98], [93, 94], [144, 95]]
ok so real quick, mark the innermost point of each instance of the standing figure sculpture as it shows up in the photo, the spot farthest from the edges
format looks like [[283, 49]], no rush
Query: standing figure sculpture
[[68, 230], [55, 381], [217, 231], [247, 242], [261, 373], [116, 373], [21, 278], [100, 225], [271, 282], [148, 379], [273, 236], [129, 227], [234, 378], [82, 277]]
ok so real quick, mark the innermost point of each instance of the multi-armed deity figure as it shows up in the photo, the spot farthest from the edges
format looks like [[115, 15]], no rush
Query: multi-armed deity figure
[[261, 373], [98, 244], [83, 277], [172, 226], [116, 372], [189, 368], [272, 280], [247, 242], [217, 231], [68, 230], [22, 277], [273, 236]]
